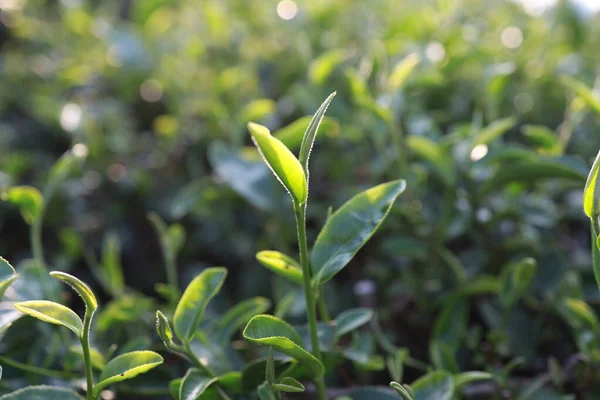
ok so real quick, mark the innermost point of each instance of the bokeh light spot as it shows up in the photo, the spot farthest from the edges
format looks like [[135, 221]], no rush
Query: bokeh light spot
[[287, 9], [70, 117], [511, 37], [479, 152], [151, 90], [435, 52]]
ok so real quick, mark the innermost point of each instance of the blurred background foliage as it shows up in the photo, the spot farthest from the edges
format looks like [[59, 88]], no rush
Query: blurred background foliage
[[463, 98]]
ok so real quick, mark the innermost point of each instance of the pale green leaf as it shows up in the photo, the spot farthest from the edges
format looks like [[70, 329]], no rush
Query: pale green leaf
[[194, 301], [494, 131], [465, 378], [80, 287], [289, 385], [402, 71], [291, 135], [583, 91], [591, 200], [281, 264], [321, 67], [282, 162], [27, 198], [127, 366], [310, 135], [271, 331], [54, 313]]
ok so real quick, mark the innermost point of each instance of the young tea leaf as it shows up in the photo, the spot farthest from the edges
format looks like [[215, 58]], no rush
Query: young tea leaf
[[163, 327], [54, 313], [350, 227], [463, 379], [404, 391], [281, 264], [194, 384], [6, 270], [127, 366], [583, 91], [494, 131], [591, 199], [402, 71], [282, 162], [310, 135], [270, 331], [80, 287], [111, 263], [351, 319], [27, 198], [289, 385], [194, 301]]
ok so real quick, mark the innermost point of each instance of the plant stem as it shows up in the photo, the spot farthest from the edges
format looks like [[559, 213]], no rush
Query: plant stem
[[300, 213], [35, 370], [323, 306], [85, 344], [595, 253]]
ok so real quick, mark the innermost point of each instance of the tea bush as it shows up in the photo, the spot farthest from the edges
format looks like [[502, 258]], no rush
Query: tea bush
[[155, 157]]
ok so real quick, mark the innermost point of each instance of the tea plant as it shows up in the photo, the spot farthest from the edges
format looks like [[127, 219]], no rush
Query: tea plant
[[120, 368]]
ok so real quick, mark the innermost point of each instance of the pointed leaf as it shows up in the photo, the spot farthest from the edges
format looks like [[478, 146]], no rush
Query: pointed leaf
[[282, 162], [404, 392], [433, 153], [351, 319], [6, 284], [6, 270], [28, 199], [111, 263], [127, 366], [310, 135], [322, 66], [270, 331], [163, 327], [583, 91], [194, 301], [591, 200], [465, 378], [350, 227], [42, 393], [402, 71], [54, 313], [239, 315], [291, 135], [434, 386], [289, 385], [80, 287], [532, 170], [494, 131], [281, 264], [194, 384]]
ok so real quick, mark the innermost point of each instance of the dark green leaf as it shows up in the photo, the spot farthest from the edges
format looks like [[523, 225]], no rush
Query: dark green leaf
[[350, 227], [239, 315], [351, 319], [6, 270], [289, 385], [194, 384]]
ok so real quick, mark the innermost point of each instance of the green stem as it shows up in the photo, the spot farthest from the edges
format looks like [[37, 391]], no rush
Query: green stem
[[323, 306], [171, 265], [595, 253], [35, 370], [36, 237], [300, 213], [85, 344]]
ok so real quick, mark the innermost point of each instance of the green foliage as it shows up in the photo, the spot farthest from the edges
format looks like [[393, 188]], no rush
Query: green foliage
[[127, 366]]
